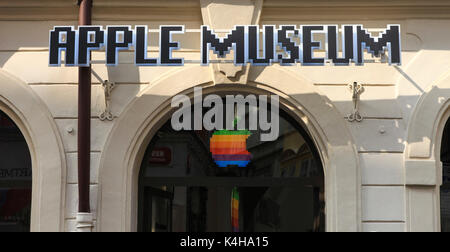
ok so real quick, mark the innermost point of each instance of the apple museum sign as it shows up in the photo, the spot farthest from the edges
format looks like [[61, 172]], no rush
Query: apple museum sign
[[285, 45]]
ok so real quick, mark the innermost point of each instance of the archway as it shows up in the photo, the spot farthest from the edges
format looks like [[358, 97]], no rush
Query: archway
[[423, 166], [189, 180], [20, 103], [125, 147]]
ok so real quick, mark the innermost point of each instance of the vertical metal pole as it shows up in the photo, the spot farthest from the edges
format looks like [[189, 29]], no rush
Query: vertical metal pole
[[84, 119]]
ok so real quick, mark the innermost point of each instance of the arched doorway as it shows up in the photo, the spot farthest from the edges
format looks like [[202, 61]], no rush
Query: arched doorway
[[445, 188], [15, 178], [125, 146], [182, 187]]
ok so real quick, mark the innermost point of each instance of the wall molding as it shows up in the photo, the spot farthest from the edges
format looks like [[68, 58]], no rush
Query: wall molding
[[34, 120], [190, 10]]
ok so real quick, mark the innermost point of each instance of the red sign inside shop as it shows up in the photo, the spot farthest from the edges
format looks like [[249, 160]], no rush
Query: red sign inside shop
[[161, 156]]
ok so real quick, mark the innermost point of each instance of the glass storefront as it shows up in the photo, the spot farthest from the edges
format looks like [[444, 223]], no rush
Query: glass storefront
[[183, 188], [445, 200], [15, 178], [445, 188]]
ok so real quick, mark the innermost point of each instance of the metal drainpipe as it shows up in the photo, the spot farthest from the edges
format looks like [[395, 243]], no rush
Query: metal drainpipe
[[84, 216]]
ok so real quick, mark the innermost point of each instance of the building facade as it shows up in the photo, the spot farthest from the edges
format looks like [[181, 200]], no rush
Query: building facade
[[386, 172]]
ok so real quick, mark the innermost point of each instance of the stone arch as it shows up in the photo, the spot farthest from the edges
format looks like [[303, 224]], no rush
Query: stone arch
[[35, 122], [425, 132], [423, 167], [124, 149]]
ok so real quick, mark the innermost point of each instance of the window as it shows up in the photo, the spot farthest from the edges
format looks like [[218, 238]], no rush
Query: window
[[445, 189], [15, 178], [183, 189]]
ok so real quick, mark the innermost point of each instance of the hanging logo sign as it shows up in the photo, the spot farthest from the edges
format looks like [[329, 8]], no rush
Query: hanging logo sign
[[286, 45]]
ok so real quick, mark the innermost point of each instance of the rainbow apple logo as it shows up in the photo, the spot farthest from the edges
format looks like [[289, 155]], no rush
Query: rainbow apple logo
[[229, 148]]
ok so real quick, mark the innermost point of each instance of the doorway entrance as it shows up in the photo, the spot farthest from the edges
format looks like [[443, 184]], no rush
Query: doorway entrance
[[183, 189]]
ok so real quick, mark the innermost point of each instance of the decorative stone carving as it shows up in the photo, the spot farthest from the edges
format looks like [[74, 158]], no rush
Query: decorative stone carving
[[107, 114], [225, 14], [357, 90]]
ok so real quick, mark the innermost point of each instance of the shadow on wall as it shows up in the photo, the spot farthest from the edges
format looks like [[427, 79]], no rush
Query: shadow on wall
[[387, 120], [34, 40], [24, 53], [430, 115]]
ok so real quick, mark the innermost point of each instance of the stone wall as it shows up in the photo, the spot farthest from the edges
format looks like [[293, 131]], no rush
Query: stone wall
[[392, 195]]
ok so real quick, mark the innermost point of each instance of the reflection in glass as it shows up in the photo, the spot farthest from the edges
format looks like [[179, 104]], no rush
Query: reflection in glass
[[15, 178], [445, 188], [281, 189]]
